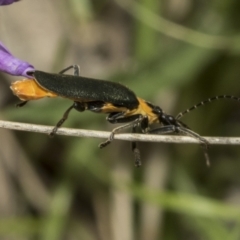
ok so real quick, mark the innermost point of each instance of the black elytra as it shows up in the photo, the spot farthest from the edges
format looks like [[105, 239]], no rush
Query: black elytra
[[87, 89]]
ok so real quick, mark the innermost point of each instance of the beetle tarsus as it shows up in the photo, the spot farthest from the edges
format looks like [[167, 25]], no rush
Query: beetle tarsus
[[104, 144], [137, 155], [137, 158], [110, 139], [205, 146]]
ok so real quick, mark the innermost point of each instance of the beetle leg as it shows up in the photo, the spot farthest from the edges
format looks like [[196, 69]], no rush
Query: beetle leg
[[21, 104], [144, 124], [179, 129], [76, 105], [135, 150], [76, 70], [119, 118], [135, 121], [204, 143], [61, 121]]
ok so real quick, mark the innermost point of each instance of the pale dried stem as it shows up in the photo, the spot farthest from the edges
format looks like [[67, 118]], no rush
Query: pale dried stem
[[121, 136]]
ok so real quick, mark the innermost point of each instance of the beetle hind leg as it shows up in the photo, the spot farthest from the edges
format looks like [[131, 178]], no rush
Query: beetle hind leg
[[76, 105], [61, 121], [21, 104]]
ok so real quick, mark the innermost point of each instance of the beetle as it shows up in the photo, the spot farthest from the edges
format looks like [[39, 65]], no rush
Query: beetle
[[100, 96]]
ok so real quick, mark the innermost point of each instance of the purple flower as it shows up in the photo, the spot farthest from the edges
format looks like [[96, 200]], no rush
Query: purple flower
[[12, 65], [7, 2]]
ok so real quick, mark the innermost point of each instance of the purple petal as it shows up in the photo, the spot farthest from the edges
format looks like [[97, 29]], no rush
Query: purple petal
[[12, 65], [7, 2]]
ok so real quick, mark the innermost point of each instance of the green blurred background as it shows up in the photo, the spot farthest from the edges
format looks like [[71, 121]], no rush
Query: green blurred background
[[173, 53]]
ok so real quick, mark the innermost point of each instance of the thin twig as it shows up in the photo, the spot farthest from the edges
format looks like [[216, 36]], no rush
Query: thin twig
[[121, 136]]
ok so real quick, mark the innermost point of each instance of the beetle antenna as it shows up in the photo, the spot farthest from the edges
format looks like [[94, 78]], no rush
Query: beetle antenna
[[204, 102]]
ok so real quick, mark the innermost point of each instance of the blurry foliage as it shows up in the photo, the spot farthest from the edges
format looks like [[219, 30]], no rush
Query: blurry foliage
[[94, 194]]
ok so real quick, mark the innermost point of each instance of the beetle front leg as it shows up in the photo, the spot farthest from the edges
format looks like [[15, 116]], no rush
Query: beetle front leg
[[186, 131]]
